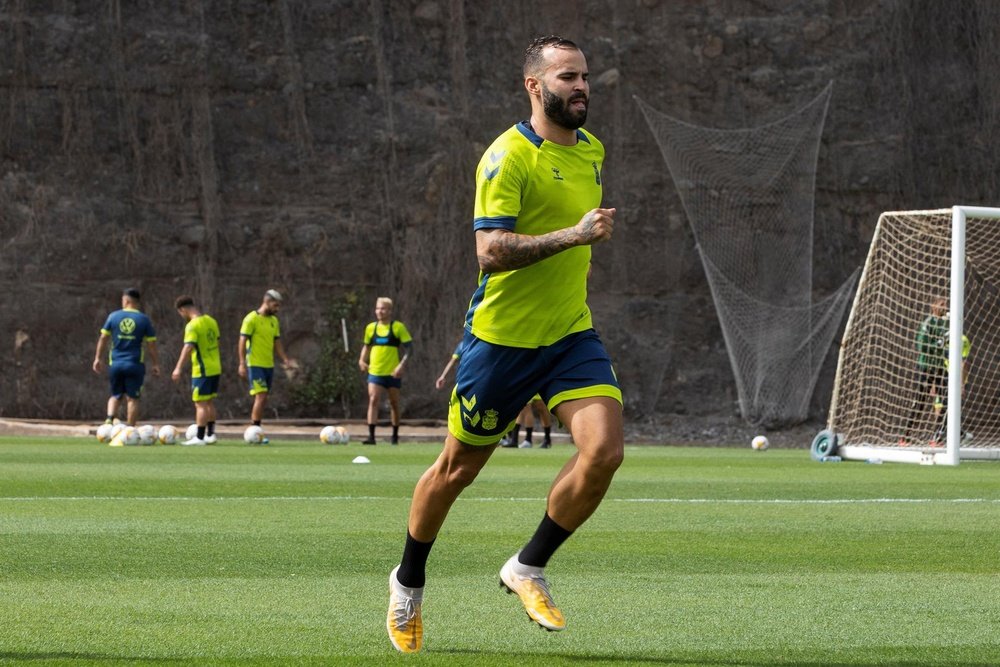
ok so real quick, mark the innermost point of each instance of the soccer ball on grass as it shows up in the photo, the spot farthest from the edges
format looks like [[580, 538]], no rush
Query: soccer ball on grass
[[254, 435], [759, 443], [167, 435]]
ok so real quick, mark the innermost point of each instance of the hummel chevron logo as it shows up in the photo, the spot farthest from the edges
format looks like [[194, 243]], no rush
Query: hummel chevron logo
[[494, 158], [468, 403]]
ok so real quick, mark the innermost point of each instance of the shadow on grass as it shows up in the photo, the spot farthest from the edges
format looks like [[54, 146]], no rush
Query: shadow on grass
[[635, 659], [81, 658]]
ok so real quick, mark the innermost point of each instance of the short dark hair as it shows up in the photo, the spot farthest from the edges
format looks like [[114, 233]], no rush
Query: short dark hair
[[533, 60], [131, 293], [183, 302]]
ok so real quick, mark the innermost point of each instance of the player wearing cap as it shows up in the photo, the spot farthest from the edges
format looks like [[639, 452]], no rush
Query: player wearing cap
[[129, 332], [260, 340]]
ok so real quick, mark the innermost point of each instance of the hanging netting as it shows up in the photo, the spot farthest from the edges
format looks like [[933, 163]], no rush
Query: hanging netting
[[748, 195]]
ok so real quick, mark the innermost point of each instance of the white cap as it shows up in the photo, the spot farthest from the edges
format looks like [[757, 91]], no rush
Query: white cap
[[273, 294]]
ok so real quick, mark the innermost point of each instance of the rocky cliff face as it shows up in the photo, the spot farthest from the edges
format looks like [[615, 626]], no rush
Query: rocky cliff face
[[222, 148]]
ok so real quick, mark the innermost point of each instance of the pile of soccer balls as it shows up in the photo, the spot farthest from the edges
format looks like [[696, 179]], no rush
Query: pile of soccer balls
[[334, 435], [122, 435]]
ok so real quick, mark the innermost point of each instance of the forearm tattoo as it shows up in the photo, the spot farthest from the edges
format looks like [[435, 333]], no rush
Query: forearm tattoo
[[510, 251]]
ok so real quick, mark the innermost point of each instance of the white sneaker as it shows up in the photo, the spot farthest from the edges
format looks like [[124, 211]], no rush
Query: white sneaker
[[211, 439], [525, 445], [404, 623], [195, 441], [533, 590]]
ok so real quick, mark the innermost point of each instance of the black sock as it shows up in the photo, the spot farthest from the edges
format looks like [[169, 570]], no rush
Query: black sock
[[412, 567], [547, 538], [395, 432], [371, 431], [527, 433], [548, 434], [211, 428], [256, 422], [201, 432], [110, 419], [514, 433]]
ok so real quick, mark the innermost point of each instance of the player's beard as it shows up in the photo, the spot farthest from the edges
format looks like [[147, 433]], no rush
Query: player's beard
[[559, 112]]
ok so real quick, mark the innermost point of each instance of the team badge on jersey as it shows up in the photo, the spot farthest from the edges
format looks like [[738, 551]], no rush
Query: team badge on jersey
[[127, 325]]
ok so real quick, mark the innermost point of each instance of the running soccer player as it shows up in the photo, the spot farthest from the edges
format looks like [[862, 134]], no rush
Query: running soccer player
[[528, 330], [260, 340], [129, 332], [201, 345], [380, 359]]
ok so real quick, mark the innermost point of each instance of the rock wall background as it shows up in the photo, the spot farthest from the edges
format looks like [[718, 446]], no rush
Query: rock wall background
[[222, 148]]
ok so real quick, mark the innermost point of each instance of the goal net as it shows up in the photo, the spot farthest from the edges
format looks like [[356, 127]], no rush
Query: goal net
[[919, 372], [749, 197]]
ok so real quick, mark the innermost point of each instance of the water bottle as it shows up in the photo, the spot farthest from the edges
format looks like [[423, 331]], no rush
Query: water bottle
[[830, 459]]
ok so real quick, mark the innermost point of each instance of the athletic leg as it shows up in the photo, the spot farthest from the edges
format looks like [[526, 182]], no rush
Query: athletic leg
[[394, 413]]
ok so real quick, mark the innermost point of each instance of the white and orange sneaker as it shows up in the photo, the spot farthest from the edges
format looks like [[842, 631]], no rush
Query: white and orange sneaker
[[531, 586], [406, 630]]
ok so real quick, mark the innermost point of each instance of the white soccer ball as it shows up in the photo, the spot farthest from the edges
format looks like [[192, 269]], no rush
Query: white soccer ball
[[191, 432], [116, 429], [147, 434], [104, 432], [129, 436], [254, 435], [329, 436], [759, 443], [344, 436], [167, 435]]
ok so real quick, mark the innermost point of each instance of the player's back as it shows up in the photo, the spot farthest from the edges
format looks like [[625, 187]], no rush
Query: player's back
[[128, 329], [202, 333]]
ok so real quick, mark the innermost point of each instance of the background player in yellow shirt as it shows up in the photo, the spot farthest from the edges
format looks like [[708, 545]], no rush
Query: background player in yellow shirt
[[528, 330], [260, 340], [201, 346], [380, 358]]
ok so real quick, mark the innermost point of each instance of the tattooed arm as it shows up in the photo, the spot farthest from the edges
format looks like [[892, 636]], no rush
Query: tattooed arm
[[503, 250]]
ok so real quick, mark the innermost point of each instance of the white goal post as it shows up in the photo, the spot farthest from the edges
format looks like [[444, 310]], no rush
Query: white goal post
[[916, 383]]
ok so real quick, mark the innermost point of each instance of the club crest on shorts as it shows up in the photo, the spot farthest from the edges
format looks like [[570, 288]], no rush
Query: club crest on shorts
[[490, 419]]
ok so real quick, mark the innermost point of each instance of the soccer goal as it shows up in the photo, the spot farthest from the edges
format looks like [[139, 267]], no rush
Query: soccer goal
[[918, 378]]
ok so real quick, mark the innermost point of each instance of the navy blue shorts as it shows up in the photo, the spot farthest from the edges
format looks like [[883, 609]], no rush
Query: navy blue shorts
[[494, 382], [126, 378], [204, 388], [386, 381], [260, 379]]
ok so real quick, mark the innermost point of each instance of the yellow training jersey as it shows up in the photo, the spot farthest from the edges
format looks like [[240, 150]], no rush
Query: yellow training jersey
[[384, 341], [261, 331], [202, 332], [532, 186]]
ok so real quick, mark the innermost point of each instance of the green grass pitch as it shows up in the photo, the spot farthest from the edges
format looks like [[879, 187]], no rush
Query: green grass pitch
[[279, 555]]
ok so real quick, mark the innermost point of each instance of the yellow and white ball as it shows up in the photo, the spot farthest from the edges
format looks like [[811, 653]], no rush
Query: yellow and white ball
[[104, 432], [254, 435], [759, 443], [167, 435]]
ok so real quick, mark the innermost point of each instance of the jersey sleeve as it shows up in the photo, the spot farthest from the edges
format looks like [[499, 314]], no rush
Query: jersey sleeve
[[190, 333], [246, 328], [150, 331], [277, 328], [403, 333], [369, 333], [106, 329], [500, 181]]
